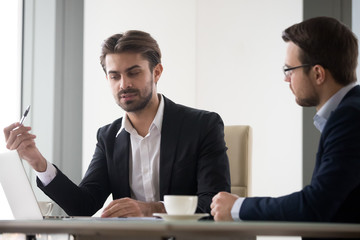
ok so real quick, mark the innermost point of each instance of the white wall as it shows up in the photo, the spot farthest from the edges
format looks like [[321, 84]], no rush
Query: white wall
[[220, 55], [240, 55], [175, 34]]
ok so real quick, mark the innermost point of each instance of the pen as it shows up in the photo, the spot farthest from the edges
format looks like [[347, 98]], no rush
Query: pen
[[25, 114]]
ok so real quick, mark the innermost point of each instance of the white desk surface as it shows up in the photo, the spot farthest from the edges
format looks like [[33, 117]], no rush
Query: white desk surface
[[93, 229]]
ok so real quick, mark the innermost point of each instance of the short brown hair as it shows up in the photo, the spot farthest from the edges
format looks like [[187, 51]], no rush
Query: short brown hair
[[132, 41], [327, 42]]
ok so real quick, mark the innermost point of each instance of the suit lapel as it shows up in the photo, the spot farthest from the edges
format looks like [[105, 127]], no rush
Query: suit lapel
[[121, 163], [171, 126], [355, 91]]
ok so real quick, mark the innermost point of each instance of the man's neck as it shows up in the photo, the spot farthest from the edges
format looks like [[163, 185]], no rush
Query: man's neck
[[141, 120], [327, 92]]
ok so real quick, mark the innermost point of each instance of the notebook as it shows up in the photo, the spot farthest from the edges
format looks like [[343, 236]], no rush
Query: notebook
[[17, 188]]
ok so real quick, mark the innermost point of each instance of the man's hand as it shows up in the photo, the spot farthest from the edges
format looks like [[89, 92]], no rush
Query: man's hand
[[127, 207], [18, 138], [221, 206]]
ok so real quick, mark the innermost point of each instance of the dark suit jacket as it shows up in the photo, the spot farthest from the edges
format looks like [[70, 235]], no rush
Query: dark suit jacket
[[193, 161], [334, 192]]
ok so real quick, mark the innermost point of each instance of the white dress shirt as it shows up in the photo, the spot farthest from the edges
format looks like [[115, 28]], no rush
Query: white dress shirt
[[49, 174], [324, 112], [320, 120], [144, 159]]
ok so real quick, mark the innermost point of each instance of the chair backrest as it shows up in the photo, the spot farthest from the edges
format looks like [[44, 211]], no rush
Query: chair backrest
[[238, 139]]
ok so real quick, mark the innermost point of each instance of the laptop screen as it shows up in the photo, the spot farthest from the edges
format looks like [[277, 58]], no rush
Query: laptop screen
[[5, 210], [17, 188]]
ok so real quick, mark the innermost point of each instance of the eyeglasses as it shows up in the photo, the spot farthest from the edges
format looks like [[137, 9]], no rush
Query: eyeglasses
[[288, 71]]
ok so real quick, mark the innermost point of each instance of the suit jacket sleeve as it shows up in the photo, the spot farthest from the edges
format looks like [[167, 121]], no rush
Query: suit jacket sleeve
[[90, 195], [334, 192], [193, 154], [213, 164]]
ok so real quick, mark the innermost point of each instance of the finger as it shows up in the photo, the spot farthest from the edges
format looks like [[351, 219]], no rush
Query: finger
[[217, 200], [110, 205], [124, 212], [19, 130], [105, 214], [131, 210], [217, 216], [19, 140], [113, 206], [117, 201], [125, 207], [9, 128], [118, 210], [212, 212], [222, 194], [15, 143], [12, 134], [215, 197]]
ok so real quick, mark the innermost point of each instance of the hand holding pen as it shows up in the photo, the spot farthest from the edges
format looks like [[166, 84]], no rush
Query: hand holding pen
[[17, 133], [18, 137]]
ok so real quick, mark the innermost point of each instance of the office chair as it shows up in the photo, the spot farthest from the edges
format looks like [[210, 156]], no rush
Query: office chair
[[238, 139]]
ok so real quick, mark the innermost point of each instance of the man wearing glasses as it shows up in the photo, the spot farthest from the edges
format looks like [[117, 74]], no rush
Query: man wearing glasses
[[320, 67]]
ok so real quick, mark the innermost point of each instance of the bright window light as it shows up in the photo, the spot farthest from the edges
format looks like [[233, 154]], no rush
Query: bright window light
[[10, 64], [10, 77]]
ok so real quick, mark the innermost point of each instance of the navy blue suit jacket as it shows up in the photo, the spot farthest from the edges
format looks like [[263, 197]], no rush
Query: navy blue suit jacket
[[334, 192], [193, 161]]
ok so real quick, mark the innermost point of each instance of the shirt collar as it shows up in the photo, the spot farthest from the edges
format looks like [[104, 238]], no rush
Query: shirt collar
[[324, 112], [157, 122]]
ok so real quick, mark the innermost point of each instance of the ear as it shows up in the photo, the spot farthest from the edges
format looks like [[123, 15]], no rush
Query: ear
[[157, 72], [319, 74]]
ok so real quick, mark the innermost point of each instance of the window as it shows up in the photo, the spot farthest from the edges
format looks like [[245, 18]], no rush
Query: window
[[10, 76], [10, 64]]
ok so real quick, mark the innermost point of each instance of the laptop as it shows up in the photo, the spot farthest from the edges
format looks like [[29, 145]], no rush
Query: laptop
[[20, 195], [17, 188]]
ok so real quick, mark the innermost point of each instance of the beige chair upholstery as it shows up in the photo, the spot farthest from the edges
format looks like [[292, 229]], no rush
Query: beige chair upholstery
[[239, 142]]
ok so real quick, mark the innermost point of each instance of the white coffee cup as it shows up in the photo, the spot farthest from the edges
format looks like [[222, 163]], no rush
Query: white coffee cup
[[46, 207], [180, 204]]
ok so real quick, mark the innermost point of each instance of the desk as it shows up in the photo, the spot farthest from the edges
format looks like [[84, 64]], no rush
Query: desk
[[93, 229]]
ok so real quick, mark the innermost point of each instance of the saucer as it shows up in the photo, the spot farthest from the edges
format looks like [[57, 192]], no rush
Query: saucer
[[174, 217]]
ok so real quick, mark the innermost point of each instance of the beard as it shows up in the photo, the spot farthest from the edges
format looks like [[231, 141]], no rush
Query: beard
[[138, 104], [308, 102]]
